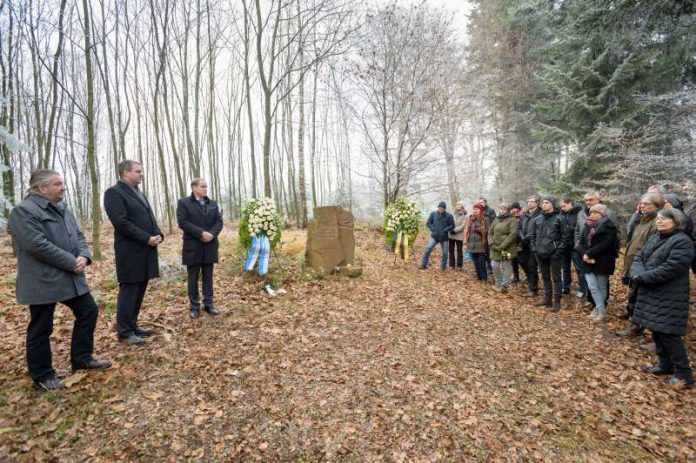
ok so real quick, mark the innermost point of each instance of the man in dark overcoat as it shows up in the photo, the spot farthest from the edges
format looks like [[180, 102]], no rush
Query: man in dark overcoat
[[200, 219], [136, 237], [52, 255]]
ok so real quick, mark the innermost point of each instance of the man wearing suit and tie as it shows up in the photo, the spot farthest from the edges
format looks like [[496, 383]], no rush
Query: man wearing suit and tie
[[136, 237], [200, 219]]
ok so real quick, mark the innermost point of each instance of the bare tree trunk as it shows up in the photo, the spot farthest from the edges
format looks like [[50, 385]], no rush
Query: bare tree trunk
[[266, 79], [103, 67], [247, 83], [7, 115], [91, 141], [194, 166], [302, 211], [313, 151], [55, 77], [38, 93], [197, 94], [160, 49], [172, 138], [212, 158]]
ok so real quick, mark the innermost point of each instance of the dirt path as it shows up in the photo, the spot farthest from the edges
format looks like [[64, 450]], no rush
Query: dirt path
[[397, 365]]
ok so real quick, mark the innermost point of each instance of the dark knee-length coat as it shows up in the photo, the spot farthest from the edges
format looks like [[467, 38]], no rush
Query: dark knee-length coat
[[134, 223], [661, 273], [194, 218]]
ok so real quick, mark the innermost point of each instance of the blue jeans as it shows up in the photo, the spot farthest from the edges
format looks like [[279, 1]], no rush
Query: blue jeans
[[580, 269], [501, 272], [480, 264], [598, 288], [429, 248], [574, 258]]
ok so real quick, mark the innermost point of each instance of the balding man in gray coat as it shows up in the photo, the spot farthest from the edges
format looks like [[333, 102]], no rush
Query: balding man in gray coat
[[52, 256]]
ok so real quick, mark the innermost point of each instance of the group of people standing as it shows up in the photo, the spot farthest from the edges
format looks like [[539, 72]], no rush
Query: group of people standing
[[552, 239], [52, 256]]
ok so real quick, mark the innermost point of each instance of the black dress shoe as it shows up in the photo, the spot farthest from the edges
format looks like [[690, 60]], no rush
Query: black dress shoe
[[133, 339], [211, 310], [92, 364], [49, 384], [656, 370], [194, 313], [142, 331]]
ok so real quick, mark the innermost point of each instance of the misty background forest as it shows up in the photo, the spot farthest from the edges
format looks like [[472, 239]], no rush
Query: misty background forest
[[318, 102]]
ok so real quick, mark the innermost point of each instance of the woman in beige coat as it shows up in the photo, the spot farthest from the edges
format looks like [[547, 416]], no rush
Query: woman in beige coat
[[456, 237]]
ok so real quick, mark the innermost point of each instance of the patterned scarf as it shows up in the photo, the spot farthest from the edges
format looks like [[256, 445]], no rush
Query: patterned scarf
[[592, 227]]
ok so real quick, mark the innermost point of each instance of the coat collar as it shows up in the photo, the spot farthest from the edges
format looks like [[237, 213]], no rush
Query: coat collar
[[195, 200], [131, 191], [39, 200], [44, 203]]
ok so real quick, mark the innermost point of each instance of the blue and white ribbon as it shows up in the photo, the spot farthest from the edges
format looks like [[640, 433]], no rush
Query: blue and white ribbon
[[260, 250]]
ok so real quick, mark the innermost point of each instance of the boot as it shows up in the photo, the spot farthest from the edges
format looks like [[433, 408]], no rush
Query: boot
[[601, 317], [631, 330], [545, 303], [556, 306], [649, 346]]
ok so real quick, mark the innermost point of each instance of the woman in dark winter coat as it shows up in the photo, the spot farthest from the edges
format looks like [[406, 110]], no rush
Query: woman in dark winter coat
[[475, 234], [660, 274], [598, 246]]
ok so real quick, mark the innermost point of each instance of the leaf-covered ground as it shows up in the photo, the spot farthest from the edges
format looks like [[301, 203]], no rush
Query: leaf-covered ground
[[397, 365]]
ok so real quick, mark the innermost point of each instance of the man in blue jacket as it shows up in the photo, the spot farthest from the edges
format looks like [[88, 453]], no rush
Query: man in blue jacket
[[440, 223]]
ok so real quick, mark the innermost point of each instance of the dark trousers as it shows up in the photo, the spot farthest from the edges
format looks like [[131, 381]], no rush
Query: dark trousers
[[130, 298], [576, 257], [529, 265], [672, 354], [480, 265], [207, 276], [567, 270], [551, 274], [516, 269], [40, 328], [459, 261]]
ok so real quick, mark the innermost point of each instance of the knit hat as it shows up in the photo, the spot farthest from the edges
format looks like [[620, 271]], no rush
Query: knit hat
[[479, 206], [674, 201], [599, 209], [552, 199], [442, 204], [515, 205]]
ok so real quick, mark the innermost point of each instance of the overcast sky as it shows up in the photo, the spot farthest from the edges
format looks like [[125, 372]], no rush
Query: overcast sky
[[462, 8]]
